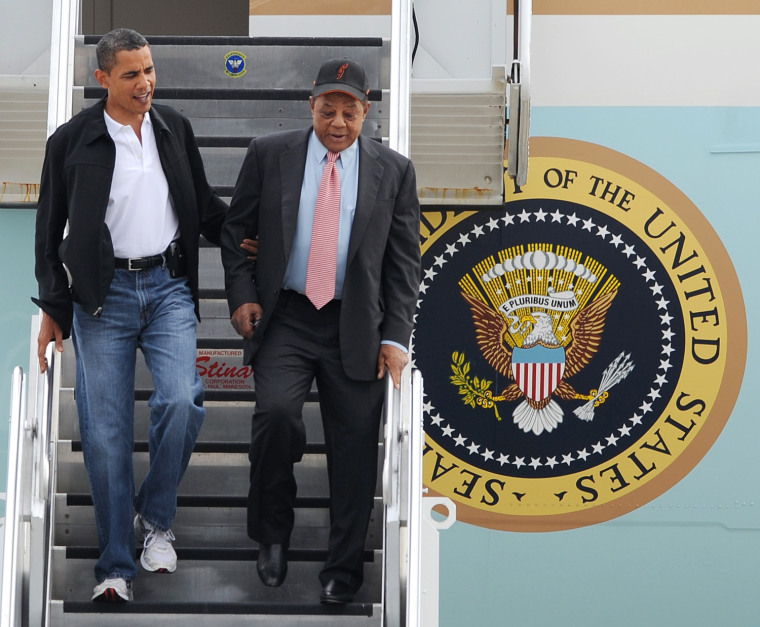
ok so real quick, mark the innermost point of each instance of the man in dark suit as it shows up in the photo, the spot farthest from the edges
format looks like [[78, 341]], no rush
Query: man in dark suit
[[125, 178], [346, 344]]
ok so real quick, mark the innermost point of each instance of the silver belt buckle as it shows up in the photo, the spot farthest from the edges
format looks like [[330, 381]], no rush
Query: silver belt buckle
[[129, 265]]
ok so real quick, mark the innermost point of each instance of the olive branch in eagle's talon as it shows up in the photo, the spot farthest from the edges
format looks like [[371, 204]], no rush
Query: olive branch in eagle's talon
[[474, 389]]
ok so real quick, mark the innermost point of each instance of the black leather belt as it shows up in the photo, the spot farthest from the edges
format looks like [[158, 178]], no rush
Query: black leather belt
[[139, 263]]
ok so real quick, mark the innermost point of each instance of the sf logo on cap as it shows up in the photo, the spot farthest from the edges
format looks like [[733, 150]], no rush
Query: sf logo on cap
[[342, 70]]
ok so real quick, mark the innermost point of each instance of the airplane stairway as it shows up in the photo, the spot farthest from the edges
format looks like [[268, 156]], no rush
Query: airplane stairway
[[216, 581]]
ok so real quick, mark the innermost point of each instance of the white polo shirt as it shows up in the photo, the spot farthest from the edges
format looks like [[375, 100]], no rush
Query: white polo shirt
[[140, 215]]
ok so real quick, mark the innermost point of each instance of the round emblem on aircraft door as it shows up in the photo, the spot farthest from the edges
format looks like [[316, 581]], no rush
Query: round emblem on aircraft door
[[234, 64], [574, 343]]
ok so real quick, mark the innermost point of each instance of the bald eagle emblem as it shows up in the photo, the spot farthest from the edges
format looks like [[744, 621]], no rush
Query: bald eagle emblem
[[538, 342]]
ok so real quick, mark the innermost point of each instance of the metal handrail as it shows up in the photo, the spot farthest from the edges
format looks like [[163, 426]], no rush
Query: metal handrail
[[519, 90], [402, 497], [391, 412], [416, 438], [402, 484], [401, 72], [65, 25], [12, 565], [42, 491], [392, 562], [27, 534]]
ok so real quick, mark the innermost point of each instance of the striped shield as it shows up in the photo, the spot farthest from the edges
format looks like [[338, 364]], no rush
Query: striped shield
[[538, 370]]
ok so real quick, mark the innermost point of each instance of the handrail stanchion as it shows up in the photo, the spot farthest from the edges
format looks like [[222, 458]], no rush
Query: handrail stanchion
[[27, 535], [395, 468], [402, 496], [43, 487], [65, 22], [401, 74], [13, 542], [415, 442], [392, 563]]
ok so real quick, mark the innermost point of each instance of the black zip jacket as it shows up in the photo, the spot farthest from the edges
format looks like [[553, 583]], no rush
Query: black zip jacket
[[74, 189]]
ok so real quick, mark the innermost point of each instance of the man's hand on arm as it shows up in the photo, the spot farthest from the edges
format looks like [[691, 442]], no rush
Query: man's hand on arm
[[246, 318], [49, 330], [251, 246], [392, 359]]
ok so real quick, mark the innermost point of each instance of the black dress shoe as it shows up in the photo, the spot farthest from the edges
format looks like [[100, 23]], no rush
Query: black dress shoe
[[336, 593], [272, 565]]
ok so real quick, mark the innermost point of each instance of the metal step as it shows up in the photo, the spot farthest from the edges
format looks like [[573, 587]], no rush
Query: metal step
[[127, 617], [218, 523], [211, 272], [211, 590], [271, 63], [208, 474], [226, 421], [143, 378], [249, 116]]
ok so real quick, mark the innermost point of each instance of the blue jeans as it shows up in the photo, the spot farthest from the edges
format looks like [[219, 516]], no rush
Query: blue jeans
[[151, 311]]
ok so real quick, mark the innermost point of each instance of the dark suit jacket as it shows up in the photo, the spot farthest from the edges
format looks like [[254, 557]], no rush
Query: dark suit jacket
[[75, 185], [383, 265]]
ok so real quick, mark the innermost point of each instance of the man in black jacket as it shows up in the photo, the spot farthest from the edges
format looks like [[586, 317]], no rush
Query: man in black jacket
[[126, 179]]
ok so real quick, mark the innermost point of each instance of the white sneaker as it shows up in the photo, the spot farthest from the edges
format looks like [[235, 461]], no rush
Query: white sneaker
[[158, 554], [113, 590]]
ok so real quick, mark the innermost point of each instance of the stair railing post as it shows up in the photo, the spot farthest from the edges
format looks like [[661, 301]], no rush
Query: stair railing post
[[392, 532], [14, 537], [43, 481], [65, 23], [415, 442], [401, 70]]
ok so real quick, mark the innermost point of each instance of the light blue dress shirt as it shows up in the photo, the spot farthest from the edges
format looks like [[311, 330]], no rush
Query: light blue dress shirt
[[348, 170]]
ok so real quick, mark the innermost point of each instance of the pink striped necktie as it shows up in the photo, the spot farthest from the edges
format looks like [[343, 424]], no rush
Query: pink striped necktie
[[323, 256]]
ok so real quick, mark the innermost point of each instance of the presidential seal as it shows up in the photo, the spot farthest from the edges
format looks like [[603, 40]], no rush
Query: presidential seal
[[574, 343]]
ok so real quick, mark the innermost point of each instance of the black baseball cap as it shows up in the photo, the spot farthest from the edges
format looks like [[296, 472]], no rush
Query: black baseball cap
[[341, 75]]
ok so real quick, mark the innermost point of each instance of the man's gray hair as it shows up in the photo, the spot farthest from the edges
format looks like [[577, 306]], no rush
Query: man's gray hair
[[114, 42]]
